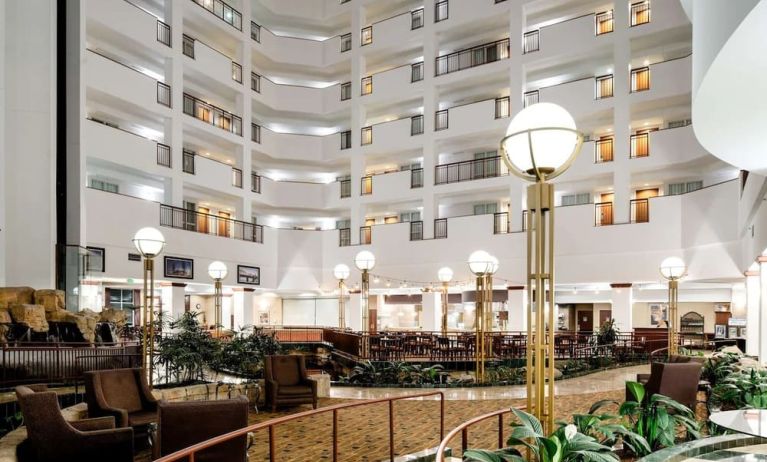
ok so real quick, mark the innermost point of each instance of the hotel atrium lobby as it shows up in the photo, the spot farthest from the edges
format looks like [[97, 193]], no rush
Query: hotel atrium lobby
[[383, 230]]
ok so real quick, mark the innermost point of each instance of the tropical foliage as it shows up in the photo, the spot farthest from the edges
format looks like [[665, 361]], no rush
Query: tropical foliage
[[609, 429], [394, 372], [739, 390], [184, 354], [608, 333], [244, 354]]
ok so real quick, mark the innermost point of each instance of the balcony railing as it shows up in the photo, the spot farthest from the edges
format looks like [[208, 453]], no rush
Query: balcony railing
[[603, 86], [366, 185], [346, 188], [640, 79], [191, 220], [416, 230], [603, 22], [416, 125], [640, 210], [366, 235], [163, 33], [213, 115], [441, 11], [502, 107], [603, 213], [367, 136], [163, 94], [255, 32], [640, 145], [255, 182], [603, 150], [236, 72], [416, 178], [416, 19], [346, 91], [531, 41], [344, 237], [188, 162], [501, 223], [640, 13], [187, 46], [472, 57], [366, 36], [441, 120], [440, 228], [346, 42], [236, 177], [346, 139], [255, 82], [223, 11], [531, 97], [416, 72], [467, 170], [255, 133], [163, 155], [366, 85]]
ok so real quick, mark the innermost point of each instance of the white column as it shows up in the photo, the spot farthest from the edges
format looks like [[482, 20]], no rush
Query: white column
[[174, 76], [358, 120], [517, 199], [242, 301], [431, 311], [517, 306], [430, 210], [172, 295], [622, 299], [517, 80], [753, 305], [354, 316], [762, 308], [621, 114]]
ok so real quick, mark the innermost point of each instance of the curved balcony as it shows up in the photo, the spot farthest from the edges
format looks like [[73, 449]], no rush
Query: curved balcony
[[133, 24], [212, 63], [294, 50], [287, 146], [297, 98]]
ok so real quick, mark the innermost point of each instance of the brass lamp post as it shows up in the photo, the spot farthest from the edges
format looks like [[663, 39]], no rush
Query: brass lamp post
[[365, 261], [480, 264], [341, 272], [673, 269], [445, 275], [218, 271], [149, 242], [541, 142]]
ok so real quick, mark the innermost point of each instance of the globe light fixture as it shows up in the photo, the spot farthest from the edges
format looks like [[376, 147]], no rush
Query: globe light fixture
[[479, 262], [482, 265], [445, 275], [149, 242], [366, 261], [541, 142], [673, 269], [341, 272], [217, 271]]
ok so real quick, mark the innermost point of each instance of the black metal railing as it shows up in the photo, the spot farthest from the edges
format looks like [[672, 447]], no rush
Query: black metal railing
[[163, 155], [346, 188], [163, 33], [236, 72], [255, 32], [531, 97], [603, 213], [640, 145], [502, 107], [441, 11], [211, 114], [223, 11], [416, 178], [603, 22], [416, 72], [163, 94], [191, 220], [255, 133], [366, 185], [640, 13], [640, 210], [501, 223], [255, 82], [472, 57], [188, 162], [440, 228], [416, 19], [255, 182], [467, 170], [346, 91], [344, 237], [367, 136], [603, 86], [416, 230], [187, 46], [236, 177], [640, 79], [441, 119], [346, 139], [366, 85], [416, 125], [603, 150], [366, 35], [531, 41], [346, 42], [366, 235]]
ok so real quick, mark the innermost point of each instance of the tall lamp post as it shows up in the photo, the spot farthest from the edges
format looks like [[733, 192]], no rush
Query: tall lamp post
[[149, 242], [341, 272], [445, 275], [541, 142], [365, 261], [218, 271], [480, 263], [673, 269]]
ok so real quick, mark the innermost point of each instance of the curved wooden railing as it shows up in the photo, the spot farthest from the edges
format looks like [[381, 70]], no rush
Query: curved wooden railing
[[188, 454], [463, 429]]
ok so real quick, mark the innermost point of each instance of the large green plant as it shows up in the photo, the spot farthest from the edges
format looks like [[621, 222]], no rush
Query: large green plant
[[608, 333], [717, 368], [185, 353], [244, 354], [609, 429], [394, 372], [566, 444], [658, 418], [738, 390]]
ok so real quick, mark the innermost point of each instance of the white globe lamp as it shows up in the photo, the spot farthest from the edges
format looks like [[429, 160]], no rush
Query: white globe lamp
[[149, 242], [341, 271], [365, 260], [673, 268], [445, 274], [480, 262], [217, 270]]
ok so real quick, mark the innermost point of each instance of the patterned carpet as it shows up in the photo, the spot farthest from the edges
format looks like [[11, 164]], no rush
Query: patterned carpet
[[363, 431]]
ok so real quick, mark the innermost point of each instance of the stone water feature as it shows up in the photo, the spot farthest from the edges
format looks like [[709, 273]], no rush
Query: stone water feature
[[41, 315]]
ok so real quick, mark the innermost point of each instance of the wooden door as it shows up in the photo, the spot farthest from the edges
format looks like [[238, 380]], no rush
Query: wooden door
[[585, 321], [722, 317], [604, 316], [202, 219], [605, 209], [224, 223], [647, 193]]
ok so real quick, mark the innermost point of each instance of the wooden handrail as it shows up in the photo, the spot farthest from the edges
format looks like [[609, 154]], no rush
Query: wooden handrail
[[464, 430], [189, 453]]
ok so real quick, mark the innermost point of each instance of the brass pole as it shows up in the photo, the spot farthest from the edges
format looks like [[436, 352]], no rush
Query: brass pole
[[445, 286], [341, 305], [364, 301], [673, 343], [488, 307], [479, 330], [552, 317], [217, 296], [147, 320]]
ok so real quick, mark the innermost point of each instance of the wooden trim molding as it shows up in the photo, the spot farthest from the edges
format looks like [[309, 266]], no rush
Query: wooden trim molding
[[515, 287], [620, 285]]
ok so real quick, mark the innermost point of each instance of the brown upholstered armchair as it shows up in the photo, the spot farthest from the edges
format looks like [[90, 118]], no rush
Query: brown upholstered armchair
[[51, 438], [287, 382], [122, 394], [185, 423], [678, 381]]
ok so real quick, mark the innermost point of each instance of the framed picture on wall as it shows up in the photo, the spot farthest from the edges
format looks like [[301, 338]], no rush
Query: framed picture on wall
[[263, 317], [180, 268], [248, 275], [658, 315], [95, 262], [720, 331]]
